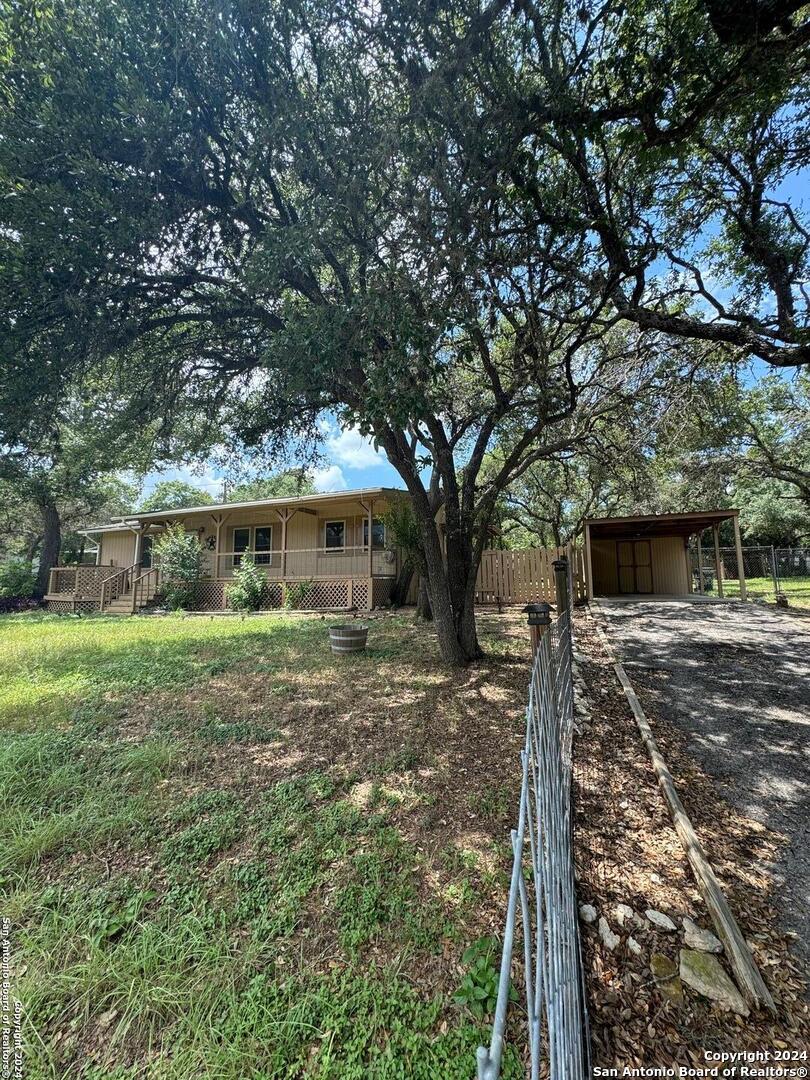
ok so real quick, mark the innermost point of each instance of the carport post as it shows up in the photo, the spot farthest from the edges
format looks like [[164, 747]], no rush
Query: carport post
[[700, 562], [740, 567], [588, 565], [717, 563]]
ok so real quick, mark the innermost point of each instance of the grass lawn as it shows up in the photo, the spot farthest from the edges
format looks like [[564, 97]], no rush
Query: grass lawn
[[797, 590], [227, 854]]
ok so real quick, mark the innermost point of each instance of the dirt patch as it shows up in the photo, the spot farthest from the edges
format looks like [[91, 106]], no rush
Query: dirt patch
[[627, 852]]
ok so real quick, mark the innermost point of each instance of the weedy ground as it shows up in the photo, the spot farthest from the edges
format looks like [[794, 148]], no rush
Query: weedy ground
[[226, 853]]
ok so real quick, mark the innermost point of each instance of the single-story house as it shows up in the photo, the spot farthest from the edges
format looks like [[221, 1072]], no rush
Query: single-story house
[[332, 547], [648, 554]]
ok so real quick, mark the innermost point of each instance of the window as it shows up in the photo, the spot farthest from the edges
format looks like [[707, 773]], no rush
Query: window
[[377, 533], [264, 544], [335, 535], [241, 543]]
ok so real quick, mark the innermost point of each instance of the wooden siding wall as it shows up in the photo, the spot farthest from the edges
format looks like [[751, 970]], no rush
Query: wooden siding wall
[[670, 572], [117, 548]]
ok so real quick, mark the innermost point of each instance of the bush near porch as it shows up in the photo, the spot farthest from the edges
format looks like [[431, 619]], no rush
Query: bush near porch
[[227, 853]]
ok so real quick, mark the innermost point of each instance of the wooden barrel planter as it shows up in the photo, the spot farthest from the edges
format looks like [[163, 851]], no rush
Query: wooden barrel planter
[[348, 639]]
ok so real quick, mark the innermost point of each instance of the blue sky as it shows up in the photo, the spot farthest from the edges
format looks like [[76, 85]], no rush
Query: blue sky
[[350, 461]]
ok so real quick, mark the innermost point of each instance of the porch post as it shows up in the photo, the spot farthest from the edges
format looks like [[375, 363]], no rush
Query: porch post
[[740, 567], [138, 534], [717, 564], [370, 554], [700, 563], [285, 516], [98, 552], [219, 521]]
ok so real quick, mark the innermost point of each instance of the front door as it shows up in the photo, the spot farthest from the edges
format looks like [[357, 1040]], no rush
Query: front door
[[146, 552], [635, 566]]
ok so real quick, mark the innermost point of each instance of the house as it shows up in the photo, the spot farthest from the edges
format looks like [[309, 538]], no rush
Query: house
[[648, 554], [331, 547]]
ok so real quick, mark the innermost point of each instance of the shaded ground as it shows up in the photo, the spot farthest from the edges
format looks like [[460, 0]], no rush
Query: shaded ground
[[735, 679], [226, 853], [627, 852]]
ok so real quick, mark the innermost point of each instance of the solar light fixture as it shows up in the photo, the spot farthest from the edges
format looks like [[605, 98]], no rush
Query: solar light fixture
[[538, 614]]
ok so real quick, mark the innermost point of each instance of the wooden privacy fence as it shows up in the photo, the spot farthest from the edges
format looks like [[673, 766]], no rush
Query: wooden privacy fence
[[519, 577]]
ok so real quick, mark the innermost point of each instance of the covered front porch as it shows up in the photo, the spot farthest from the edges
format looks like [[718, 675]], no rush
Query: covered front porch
[[319, 552]]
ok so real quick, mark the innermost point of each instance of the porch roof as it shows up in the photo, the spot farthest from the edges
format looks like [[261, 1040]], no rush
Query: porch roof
[[129, 520], [646, 525]]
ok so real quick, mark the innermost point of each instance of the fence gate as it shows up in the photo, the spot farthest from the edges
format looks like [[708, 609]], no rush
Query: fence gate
[[542, 895], [526, 575]]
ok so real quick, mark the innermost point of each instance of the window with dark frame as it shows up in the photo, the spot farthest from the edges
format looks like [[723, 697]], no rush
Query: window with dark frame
[[335, 535], [241, 544], [377, 534], [264, 544]]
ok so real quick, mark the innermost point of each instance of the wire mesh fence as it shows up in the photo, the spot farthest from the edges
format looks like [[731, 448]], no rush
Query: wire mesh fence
[[770, 572], [542, 895]]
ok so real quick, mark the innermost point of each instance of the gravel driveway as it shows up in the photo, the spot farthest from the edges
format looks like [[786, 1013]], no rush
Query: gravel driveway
[[735, 678]]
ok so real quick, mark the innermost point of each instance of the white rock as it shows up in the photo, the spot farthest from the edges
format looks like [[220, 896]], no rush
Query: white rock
[[657, 918], [655, 879], [609, 939], [587, 912], [634, 946], [697, 938], [703, 973], [623, 914]]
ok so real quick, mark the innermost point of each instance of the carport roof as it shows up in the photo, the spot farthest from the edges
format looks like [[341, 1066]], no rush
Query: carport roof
[[643, 525]]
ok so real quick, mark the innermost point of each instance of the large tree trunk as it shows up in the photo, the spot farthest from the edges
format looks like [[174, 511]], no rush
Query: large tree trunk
[[450, 581], [449, 575], [441, 601], [51, 544]]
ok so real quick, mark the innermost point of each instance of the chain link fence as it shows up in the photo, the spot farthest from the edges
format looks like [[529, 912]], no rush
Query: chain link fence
[[542, 895], [770, 572]]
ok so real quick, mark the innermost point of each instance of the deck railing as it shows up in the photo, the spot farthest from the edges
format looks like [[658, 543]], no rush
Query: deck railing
[[84, 581], [116, 584], [144, 587], [311, 563]]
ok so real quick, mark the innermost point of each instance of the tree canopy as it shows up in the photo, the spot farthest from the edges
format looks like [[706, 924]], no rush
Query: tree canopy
[[173, 495], [452, 227]]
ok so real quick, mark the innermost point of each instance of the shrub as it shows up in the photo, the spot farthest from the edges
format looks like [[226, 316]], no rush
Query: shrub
[[296, 594], [16, 578], [246, 591], [180, 556], [12, 604]]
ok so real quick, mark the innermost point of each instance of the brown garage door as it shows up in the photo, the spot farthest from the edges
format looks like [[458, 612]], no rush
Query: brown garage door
[[635, 566]]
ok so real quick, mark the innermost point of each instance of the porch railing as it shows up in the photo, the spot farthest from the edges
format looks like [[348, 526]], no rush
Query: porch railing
[[144, 587], [118, 583], [311, 563]]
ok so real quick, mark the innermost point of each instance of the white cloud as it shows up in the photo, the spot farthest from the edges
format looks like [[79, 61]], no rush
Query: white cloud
[[329, 479], [350, 448]]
